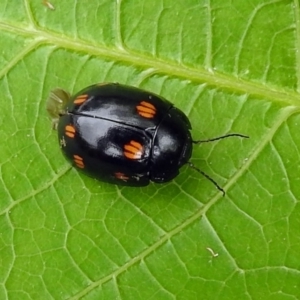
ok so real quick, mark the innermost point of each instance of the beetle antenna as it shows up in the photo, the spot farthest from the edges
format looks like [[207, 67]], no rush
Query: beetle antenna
[[221, 137], [191, 165]]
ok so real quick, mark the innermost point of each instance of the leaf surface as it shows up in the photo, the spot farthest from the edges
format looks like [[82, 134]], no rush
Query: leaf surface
[[231, 66]]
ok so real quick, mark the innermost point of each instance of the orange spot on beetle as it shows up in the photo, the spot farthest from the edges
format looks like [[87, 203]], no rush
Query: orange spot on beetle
[[133, 150], [78, 161], [81, 99], [146, 109], [70, 131], [121, 176]]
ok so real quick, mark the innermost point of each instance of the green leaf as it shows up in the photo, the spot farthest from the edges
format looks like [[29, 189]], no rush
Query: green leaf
[[231, 66]]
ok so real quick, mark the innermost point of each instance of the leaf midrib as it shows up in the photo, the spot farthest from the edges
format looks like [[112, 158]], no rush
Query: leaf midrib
[[155, 65]]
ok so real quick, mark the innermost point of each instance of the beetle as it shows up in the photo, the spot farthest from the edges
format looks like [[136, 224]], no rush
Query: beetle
[[123, 135]]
